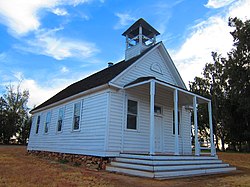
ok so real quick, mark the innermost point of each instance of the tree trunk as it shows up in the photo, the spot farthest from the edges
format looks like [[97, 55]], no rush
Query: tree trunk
[[223, 144], [217, 142], [240, 148]]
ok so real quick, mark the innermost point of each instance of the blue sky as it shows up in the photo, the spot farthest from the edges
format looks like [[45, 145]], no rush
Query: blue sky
[[49, 44]]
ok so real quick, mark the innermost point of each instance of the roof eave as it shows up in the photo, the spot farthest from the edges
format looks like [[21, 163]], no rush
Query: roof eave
[[73, 97]]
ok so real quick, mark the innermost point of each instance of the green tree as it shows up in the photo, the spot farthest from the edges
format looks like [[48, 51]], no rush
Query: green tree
[[237, 72], [2, 117], [211, 85], [227, 82], [24, 130], [14, 106], [201, 86]]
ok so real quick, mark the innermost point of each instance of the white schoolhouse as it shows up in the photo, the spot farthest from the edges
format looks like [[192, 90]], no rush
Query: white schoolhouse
[[137, 110]]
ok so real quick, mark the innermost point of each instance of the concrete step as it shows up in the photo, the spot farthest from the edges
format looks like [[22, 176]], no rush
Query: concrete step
[[133, 172], [167, 162], [169, 174], [197, 172], [166, 157], [167, 167], [164, 166]]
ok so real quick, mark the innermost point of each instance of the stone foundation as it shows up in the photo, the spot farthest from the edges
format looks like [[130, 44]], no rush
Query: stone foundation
[[91, 162]]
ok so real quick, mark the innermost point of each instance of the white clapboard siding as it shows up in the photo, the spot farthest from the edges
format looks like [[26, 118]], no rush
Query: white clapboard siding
[[116, 120], [91, 135], [186, 132], [134, 51], [143, 68]]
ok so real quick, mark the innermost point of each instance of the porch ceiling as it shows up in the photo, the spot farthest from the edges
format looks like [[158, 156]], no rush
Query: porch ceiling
[[185, 96]]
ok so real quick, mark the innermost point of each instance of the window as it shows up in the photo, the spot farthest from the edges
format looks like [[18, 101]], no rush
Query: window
[[132, 114], [47, 122], [37, 124], [157, 110], [76, 120], [178, 123], [60, 119]]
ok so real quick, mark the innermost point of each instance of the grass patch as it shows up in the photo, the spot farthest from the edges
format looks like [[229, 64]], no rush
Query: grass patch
[[77, 164], [63, 161], [20, 169]]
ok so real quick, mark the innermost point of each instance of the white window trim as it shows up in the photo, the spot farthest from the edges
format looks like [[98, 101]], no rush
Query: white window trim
[[138, 115], [80, 116]]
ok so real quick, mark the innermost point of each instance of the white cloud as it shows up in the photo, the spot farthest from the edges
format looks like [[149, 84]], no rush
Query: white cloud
[[40, 92], [164, 10], [64, 70], [60, 11], [218, 3], [207, 36], [124, 20], [22, 16], [47, 43], [240, 9]]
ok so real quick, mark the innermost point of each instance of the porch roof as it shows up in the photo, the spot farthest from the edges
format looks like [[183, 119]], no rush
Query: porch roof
[[188, 95]]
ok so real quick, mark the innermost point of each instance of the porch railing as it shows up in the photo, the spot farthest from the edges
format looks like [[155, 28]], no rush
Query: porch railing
[[206, 148]]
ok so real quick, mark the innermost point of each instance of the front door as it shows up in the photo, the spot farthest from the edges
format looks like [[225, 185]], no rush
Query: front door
[[158, 134]]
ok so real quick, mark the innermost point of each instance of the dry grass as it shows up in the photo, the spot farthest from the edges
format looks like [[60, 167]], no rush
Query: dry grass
[[20, 169]]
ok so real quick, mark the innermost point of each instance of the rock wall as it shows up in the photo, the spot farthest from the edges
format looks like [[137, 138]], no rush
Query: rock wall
[[91, 162]]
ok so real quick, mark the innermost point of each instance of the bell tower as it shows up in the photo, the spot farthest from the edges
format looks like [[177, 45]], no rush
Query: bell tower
[[139, 37]]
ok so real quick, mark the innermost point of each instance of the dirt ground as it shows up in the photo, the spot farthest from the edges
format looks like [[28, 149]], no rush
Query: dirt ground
[[17, 168]]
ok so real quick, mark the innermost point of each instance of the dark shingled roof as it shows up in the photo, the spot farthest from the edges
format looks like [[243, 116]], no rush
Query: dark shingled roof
[[140, 79], [133, 30], [100, 78]]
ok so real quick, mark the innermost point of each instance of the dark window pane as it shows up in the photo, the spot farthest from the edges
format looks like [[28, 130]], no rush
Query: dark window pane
[[48, 118], [37, 124], [38, 120], [59, 125], [37, 128], [60, 119], [132, 107], [77, 109], [157, 110], [178, 123], [131, 121], [76, 122], [46, 128]]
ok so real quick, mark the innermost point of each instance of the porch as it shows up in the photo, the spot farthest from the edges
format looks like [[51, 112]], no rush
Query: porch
[[182, 98]]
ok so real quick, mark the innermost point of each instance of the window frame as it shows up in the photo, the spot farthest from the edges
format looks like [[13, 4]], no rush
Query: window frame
[[62, 119], [179, 123], [47, 122], [137, 115], [79, 121], [38, 121]]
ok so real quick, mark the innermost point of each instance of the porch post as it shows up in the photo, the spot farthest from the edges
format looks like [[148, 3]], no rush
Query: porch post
[[176, 151], [197, 147], [213, 152], [140, 34], [152, 125]]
